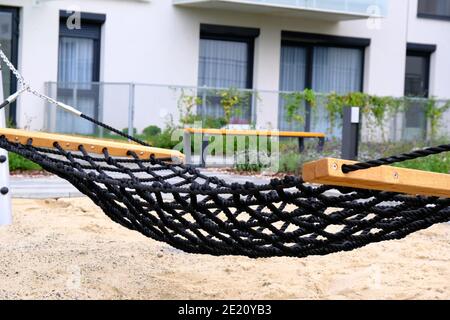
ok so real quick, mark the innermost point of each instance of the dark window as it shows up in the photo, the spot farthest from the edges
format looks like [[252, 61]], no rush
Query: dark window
[[322, 63], [9, 35], [78, 73], [226, 61], [417, 75], [438, 9]]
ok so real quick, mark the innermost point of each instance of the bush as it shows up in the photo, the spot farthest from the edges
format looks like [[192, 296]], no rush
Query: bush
[[163, 140], [125, 130], [151, 131], [206, 122], [290, 163], [17, 162], [157, 138], [214, 123]]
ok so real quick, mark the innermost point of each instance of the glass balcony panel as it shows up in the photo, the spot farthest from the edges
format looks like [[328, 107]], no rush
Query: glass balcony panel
[[327, 9]]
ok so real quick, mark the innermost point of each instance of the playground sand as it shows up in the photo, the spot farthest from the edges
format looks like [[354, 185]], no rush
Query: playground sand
[[68, 249]]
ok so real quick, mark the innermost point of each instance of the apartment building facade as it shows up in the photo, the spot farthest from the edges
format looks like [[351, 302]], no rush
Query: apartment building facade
[[382, 47]]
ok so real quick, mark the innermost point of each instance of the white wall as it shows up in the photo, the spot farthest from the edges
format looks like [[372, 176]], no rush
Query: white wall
[[437, 32], [157, 42]]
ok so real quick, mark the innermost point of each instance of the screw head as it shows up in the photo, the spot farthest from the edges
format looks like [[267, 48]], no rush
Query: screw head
[[396, 175], [334, 166], [4, 191]]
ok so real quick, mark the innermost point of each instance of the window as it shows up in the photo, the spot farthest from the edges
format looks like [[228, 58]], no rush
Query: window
[[226, 62], [417, 75], [9, 34], [435, 9], [78, 72], [322, 63]]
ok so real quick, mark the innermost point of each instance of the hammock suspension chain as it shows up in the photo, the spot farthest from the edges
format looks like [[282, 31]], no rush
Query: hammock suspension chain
[[24, 86]]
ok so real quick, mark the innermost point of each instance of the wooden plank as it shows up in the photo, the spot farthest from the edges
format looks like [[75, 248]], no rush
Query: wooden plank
[[329, 171], [255, 133], [72, 143]]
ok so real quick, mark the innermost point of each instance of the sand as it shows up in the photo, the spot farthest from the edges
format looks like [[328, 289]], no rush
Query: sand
[[68, 249]]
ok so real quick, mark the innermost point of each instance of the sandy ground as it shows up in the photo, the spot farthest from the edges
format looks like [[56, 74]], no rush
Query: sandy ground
[[68, 249]]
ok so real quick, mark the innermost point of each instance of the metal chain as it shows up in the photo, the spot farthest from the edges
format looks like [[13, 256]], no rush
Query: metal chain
[[25, 86], [11, 67]]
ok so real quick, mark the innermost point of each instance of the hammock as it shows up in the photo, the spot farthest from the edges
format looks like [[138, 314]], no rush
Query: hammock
[[175, 203], [151, 191]]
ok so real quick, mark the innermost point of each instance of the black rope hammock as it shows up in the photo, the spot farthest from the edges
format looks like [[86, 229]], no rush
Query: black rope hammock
[[179, 205]]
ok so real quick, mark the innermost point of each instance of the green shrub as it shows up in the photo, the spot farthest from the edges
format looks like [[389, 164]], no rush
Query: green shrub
[[290, 163], [214, 123], [151, 131], [164, 140], [161, 140], [250, 167], [206, 122], [125, 130], [17, 162]]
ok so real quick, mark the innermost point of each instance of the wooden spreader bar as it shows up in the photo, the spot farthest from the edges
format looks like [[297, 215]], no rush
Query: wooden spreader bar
[[72, 143], [386, 178]]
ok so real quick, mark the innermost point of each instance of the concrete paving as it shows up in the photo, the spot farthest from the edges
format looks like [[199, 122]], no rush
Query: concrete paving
[[45, 187], [42, 188]]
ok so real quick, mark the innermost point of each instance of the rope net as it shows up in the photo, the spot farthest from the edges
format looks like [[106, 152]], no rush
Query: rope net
[[197, 213]]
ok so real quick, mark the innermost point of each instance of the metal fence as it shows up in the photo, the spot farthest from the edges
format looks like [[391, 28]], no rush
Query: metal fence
[[134, 106]]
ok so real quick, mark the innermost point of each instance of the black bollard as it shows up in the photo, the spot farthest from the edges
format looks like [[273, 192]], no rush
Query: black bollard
[[350, 133]]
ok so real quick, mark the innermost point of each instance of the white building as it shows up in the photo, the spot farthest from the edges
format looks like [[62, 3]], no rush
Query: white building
[[382, 47]]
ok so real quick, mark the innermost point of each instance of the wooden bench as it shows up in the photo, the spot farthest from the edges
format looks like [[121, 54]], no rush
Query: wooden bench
[[205, 133]]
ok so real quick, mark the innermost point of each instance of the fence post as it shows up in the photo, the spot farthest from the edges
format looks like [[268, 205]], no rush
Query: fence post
[[5, 192], [50, 112], [187, 146], [203, 112], [131, 110], [350, 133], [253, 116], [100, 108]]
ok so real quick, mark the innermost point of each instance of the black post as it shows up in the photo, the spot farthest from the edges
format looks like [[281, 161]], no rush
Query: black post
[[350, 133], [321, 145], [301, 144]]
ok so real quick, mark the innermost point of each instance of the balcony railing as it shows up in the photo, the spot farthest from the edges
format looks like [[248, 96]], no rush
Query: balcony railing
[[134, 105], [326, 9]]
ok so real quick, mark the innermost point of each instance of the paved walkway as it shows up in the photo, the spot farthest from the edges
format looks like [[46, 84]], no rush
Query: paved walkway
[[42, 188], [55, 187]]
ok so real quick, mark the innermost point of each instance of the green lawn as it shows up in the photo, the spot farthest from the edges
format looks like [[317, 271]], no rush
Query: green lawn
[[437, 163]]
